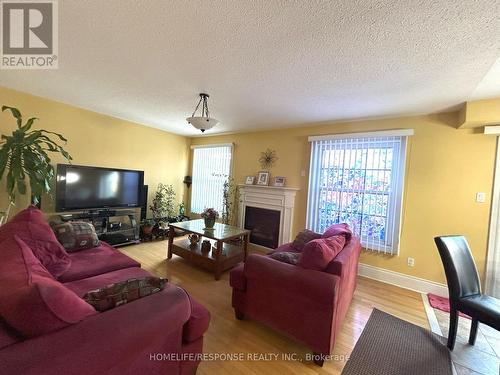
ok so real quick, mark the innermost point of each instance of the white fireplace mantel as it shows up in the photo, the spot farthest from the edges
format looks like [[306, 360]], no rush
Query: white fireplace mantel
[[277, 198]]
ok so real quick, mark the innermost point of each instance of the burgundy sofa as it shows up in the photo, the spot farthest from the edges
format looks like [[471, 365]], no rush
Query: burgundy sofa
[[304, 304], [158, 334]]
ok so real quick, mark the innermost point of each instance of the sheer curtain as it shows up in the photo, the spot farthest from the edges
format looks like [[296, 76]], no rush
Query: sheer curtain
[[358, 179], [211, 168]]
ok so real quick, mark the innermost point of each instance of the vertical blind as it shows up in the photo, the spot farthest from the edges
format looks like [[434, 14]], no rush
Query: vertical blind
[[211, 168], [358, 179]]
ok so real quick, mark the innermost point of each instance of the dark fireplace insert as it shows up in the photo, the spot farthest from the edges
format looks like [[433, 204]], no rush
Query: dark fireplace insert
[[265, 226]]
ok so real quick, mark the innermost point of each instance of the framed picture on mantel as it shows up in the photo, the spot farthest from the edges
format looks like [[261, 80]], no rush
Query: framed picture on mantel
[[249, 180], [279, 181], [263, 178]]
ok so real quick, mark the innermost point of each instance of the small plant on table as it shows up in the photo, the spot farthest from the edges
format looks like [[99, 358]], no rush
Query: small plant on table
[[209, 215]]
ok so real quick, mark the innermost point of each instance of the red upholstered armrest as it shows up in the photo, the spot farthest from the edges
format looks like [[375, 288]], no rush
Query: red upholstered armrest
[[237, 278], [198, 322], [104, 341], [316, 285]]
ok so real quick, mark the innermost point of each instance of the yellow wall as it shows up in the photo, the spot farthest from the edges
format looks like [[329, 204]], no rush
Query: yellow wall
[[99, 140], [479, 113], [445, 168]]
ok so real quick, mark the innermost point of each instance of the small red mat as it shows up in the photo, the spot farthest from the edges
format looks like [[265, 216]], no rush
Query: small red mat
[[442, 303]]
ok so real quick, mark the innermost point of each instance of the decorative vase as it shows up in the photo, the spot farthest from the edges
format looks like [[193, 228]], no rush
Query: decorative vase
[[194, 239], [209, 222], [205, 246]]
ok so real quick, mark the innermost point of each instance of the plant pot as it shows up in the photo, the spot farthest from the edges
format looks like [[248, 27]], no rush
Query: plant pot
[[209, 223], [147, 229]]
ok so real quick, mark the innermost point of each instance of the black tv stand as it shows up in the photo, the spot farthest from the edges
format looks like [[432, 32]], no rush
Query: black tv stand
[[116, 227]]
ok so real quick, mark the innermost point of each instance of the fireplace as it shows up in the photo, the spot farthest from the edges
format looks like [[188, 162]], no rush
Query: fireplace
[[265, 226], [268, 212]]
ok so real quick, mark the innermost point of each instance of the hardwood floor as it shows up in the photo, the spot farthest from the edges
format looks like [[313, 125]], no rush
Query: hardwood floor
[[227, 335]]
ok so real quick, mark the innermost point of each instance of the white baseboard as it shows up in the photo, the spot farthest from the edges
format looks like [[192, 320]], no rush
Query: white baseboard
[[403, 281]]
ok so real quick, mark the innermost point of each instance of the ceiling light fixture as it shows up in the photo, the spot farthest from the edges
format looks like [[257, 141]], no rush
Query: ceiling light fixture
[[203, 122]]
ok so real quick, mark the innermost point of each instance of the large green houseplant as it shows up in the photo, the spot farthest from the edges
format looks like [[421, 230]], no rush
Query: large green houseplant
[[24, 158], [163, 207]]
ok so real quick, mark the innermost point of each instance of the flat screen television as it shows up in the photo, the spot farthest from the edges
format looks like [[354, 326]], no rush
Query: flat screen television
[[82, 188]]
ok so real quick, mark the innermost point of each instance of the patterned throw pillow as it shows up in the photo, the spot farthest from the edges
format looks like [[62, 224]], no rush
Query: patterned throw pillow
[[304, 237], [76, 235], [126, 291], [286, 257]]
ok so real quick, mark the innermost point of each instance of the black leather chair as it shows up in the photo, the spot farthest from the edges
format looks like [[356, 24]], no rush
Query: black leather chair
[[465, 289]]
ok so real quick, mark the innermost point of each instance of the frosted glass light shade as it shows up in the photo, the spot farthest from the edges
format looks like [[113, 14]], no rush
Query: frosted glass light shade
[[202, 123]]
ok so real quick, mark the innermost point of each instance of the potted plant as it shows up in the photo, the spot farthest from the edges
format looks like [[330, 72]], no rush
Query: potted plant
[[230, 196], [209, 215], [24, 158], [147, 226], [163, 203]]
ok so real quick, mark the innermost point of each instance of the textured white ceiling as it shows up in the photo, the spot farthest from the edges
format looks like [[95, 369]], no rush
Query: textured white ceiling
[[269, 63]]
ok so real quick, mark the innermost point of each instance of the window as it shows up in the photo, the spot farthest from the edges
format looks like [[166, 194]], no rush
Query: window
[[211, 168], [358, 179]]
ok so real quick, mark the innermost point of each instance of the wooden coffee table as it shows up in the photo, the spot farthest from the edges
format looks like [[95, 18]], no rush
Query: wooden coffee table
[[224, 256]]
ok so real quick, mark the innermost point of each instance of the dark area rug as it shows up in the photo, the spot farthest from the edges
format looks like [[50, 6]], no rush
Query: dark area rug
[[391, 346]]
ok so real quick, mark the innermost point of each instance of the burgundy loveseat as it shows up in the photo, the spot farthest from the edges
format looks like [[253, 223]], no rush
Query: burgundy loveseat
[[304, 304], [158, 334]]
